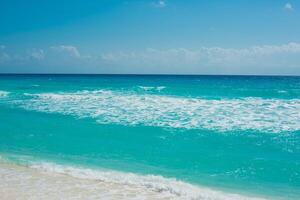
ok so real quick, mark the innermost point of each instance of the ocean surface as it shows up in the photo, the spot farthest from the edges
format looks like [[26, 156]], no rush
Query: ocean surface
[[189, 137]]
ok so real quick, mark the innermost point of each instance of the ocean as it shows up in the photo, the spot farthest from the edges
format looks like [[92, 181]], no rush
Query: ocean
[[153, 136]]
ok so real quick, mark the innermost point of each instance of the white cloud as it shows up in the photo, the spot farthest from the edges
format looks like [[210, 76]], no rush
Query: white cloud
[[68, 49], [160, 4], [4, 57], [288, 7], [256, 60], [208, 54], [37, 54], [263, 59]]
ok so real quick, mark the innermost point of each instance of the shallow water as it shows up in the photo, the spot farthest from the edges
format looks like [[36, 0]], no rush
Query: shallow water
[[235, 134]]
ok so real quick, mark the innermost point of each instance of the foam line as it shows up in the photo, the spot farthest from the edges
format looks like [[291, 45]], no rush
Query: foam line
[[3, 94], [111, 107], [170, 188]]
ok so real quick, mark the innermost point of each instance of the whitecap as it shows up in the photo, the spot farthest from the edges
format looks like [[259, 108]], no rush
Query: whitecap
[[112, 107], [282, 91], [3, 94], [152, 88]]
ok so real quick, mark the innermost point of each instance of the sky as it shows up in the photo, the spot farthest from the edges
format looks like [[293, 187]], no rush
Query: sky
[[150, 36]]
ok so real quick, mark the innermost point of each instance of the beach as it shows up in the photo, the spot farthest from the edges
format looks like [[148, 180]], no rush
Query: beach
[[20, 182], [149, 100], [23, 183], [149, 137]]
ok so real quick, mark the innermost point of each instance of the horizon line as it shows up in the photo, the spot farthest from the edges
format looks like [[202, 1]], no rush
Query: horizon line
[[150, 74]]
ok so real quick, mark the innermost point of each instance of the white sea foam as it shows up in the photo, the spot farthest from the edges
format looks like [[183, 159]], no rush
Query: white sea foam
[[105, 106], [150, 88], [143, 184], [69, 182], [3, 94]]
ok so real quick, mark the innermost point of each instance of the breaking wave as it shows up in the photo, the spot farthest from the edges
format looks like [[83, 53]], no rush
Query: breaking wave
[[150, 88], [3, 94], [113, 107], [142, 186]]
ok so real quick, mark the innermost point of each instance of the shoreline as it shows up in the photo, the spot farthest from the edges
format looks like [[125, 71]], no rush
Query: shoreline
[[19, 182], [44, 182]]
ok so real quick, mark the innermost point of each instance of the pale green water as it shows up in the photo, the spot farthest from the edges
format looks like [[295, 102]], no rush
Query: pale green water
[[234, 133]]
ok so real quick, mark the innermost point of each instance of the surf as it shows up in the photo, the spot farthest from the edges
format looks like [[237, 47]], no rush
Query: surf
[[143, 186], [132, 109]]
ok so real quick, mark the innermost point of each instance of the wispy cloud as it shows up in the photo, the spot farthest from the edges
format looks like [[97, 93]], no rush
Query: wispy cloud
[[288, 7], [4, 57], [37, 54], [211, 54], [67, 49], [263, 59], [257, 59], [160, 4]]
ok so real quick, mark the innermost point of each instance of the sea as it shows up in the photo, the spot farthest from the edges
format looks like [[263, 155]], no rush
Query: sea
[[150, 136]]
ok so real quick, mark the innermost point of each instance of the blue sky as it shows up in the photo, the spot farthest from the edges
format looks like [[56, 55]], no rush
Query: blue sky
[[150, 36]]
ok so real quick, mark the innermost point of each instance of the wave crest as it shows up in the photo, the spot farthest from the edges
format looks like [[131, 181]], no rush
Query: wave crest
[[169, 188], [3, 94], [150, 88], [105, 106]]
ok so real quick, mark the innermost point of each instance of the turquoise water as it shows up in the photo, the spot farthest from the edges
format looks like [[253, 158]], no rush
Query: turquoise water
[[238, 134]]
